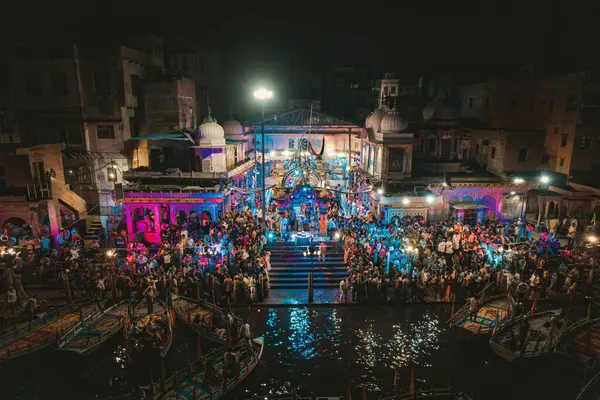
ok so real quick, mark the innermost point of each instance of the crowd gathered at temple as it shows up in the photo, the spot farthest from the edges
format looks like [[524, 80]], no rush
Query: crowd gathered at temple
[[227, 261]]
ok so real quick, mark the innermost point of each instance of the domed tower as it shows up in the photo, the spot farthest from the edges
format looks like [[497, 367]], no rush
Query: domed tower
[[233, 129], [209, 151], [392, 123], [440, 110], [373, 120]]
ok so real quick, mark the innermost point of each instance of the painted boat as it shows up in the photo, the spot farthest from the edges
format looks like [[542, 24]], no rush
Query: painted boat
[[505, 341], [189, 311], [44, 332], [155, 327], [194, 386], [582, 339], [491, 312], [89, 335]]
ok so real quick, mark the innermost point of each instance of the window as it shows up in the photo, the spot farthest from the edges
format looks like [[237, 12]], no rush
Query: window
[[102, 83], [385, 90], [571, 103], [33, 83], [431, 144], [291, 144], [392, 89], [470, 102], [586, 141], [551, 106], [58, 82], [563, 140], [105, 132], [2, 177], [512, 103], [493, 153], [476, 149], [135, 85], [522, 155], [562, 162], [487, 102], [556, 130]]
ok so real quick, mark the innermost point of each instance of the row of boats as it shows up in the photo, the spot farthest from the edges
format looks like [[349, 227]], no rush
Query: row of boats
[[84, 329], [527, 335]]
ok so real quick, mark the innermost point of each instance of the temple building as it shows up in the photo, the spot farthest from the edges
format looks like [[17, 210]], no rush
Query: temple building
[[197, 174], [416, 164]]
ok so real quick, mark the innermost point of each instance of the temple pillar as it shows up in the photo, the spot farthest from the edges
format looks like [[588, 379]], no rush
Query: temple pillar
[[129, 221], [53, 217]]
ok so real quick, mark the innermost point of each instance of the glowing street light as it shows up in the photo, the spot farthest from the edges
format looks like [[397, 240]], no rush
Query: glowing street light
[[380, 190], [337, 236], [544, 179], [592, 239], [518, 180], [429, 199], [406, 200], [262, 95]]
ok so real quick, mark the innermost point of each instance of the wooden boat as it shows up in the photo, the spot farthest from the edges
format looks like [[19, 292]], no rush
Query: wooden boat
[[190, 311], [89, 335], [43, 332], [183, 385], [585, 339], [154, 328], [591, 390], [539, 340], [491, 311]]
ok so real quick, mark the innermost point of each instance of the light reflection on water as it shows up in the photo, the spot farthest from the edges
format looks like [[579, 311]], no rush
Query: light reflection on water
[[328, 351]]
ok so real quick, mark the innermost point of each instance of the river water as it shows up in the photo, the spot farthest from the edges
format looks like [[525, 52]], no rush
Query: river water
[[327, 351]]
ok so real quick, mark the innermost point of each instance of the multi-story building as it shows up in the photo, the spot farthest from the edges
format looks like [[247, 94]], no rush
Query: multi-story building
[[87, 97]]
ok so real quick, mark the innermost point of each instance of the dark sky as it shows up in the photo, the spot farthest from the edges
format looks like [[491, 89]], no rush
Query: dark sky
[[392, 35]]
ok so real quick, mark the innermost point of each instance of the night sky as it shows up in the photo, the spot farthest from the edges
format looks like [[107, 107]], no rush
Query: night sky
[[397, 35]]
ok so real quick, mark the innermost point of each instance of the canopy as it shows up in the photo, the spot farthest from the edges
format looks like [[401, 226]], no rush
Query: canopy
[[164, 136], [466, 205]]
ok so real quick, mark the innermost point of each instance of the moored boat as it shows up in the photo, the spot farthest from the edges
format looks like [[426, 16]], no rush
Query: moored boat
[[582, 340], [152, 326], [90, 334], [207, 380], [200, 317], [43, 332], [490, 312], [541, 333]]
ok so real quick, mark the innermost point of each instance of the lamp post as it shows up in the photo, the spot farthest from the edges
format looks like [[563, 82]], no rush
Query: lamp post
[[309, 253], [263, 95]]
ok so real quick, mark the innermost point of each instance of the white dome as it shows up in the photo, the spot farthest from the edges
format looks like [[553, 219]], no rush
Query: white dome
[[393, 122], [440, 109], [210, 132], [232, 128], [374, 120]]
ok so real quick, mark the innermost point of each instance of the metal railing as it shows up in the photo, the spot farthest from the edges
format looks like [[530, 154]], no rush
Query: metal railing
[[424, 394], [27, 328], [462, 312]]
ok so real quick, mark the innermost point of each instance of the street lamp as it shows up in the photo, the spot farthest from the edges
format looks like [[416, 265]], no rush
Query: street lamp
[[263, 95], [545, 179], [518, 180]]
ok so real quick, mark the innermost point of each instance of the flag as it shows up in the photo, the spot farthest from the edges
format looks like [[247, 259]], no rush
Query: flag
[[364, 392], [411, 388], [396, 380], [534, 305], [172, 315], [349, 394]]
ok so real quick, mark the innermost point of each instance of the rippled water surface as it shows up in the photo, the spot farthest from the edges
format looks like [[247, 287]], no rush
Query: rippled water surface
[[325, 351], [328, 351]]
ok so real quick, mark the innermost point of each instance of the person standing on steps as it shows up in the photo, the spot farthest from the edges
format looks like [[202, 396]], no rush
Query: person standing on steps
[[322, 252]]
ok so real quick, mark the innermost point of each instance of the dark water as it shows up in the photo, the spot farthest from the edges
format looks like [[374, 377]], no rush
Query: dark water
[[326, 351], [330, 350]]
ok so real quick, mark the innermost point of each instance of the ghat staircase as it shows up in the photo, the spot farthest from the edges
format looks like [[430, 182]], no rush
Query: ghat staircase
[[290, 268]]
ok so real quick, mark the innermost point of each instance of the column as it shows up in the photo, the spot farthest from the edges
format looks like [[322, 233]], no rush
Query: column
[[156, 209], [129, 221], [54, 217]]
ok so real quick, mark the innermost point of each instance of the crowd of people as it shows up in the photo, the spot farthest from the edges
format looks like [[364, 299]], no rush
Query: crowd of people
[[412, 261]]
